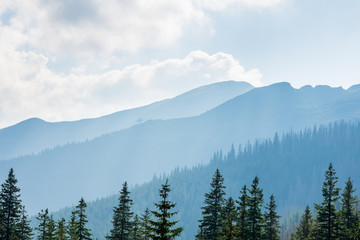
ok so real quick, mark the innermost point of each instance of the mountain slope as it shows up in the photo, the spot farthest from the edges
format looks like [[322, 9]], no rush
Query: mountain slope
[[98, 167], [290, 167], [34, 135]]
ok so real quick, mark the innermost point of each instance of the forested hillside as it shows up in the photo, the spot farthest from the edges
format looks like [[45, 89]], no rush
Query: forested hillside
[[290, 166]]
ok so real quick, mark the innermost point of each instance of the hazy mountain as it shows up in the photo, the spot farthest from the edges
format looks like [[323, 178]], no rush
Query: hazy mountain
[[34, 135], [291, 167], [98, 167]]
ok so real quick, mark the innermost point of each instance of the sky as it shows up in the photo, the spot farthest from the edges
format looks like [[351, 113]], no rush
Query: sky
[[63, 60]]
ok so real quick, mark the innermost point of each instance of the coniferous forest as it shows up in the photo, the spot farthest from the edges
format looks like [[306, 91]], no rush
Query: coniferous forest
[[244, 194]]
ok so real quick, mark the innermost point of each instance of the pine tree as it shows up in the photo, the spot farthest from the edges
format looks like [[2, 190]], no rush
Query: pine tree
[[82, 232], [327, 227], [243, 227], [136, 229], [122, 224], [10, 205], [210, 223], [228, 220], [42, 228], [51, 228], [24, 229], [347, 213], [255, 217], [60, 232], [271, 221], [162, 227], [304, 230], [72, 226], [145, 217]]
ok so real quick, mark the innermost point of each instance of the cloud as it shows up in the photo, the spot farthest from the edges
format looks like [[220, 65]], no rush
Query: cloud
[[88, 27], [32, 90]]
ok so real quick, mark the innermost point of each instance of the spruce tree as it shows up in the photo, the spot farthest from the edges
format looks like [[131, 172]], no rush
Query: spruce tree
[[42, 228], [271, 221], [327, 224], [82, 232], [255, 217], [24, 229], [72, 226], [10, 205], [347, 212], [122, 224], [51, 228], [60, 232], [136, 229], [162, 227], [304, 230], [243, 227], [145, 217], [209, 227], [228, 220]]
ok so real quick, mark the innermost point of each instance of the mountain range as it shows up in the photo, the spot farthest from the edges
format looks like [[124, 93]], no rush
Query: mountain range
[[35, 135], [97, 167]]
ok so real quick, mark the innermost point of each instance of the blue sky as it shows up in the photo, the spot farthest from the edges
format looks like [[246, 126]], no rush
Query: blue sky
[[71, 59]]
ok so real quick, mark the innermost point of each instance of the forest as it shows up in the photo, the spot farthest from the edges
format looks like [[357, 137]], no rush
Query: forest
[[335, 217], [275, 167]]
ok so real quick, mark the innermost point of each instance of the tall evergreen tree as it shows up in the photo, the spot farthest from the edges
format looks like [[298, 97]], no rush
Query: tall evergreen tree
[[162, 227], [228, 220], [209, 227], [42, 228], [255, 217], [122, 216], [327, 224], [348, 217], [243, 227], [82, 232], [271, 221], [145, 218], [72, 226], [60, 232], [24, 229], [10, 205], [304, 230]]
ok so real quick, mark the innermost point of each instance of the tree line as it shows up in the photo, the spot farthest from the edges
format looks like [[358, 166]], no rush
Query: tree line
[[246, 217]]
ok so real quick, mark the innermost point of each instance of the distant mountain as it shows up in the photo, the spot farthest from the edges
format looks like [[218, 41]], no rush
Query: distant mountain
[[35, 135], [290, 166], [99, 167]]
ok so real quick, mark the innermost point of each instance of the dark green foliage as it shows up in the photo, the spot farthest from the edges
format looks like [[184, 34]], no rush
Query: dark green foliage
[[122, 224], [42, 228], [51, 226], [271, 226], [347, 213], [10, 205], [326, 221], [228, 220], [144, 221], [24, 229], [162, 227], [242, 224], [135, 233], [82, 232], [60, 232], [304, 230], [255, 217], [72, 226], [210, 223]]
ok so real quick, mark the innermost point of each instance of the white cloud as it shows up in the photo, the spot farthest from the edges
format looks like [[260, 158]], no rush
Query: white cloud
[[87, 27], [37, 91]]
